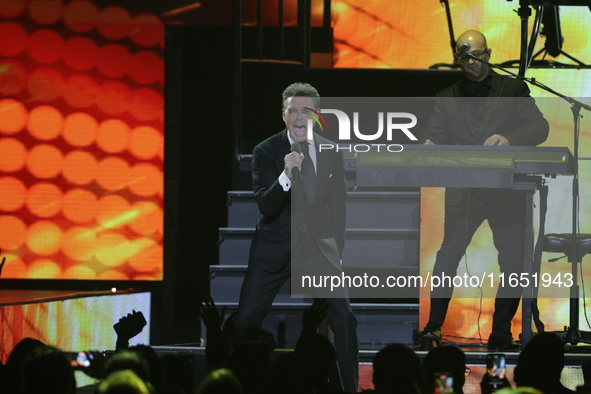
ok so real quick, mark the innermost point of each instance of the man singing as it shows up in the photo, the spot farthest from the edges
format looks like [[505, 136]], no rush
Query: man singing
[[301, 198]]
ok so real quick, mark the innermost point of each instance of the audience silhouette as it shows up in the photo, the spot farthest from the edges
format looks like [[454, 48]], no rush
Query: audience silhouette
[[449, 359], [47, 370], [245, 362], [540, 364], [123, 382], [220, 381], [14, 364], [397, 369]]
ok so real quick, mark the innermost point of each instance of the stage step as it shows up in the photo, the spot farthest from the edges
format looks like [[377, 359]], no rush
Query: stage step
[[373, 247], [234, 245], [242, 209], [382, 230], [226, 282], [377, 324], [383, 210]]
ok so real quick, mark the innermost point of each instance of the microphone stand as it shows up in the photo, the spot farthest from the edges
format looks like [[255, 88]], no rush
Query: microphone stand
[[573, 334]]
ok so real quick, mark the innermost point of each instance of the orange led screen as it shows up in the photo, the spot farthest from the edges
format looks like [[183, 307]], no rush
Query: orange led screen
[[81, 112], [81, 141]]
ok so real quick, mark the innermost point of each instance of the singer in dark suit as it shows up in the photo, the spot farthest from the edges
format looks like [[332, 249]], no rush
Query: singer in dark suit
[[487, 109], [301, 198]]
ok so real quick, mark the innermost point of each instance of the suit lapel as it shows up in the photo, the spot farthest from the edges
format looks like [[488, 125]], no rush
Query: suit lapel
[[322, 167], [297, 190]]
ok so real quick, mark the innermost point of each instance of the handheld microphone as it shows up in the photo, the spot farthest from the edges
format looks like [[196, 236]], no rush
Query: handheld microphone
[[295, 172], [464, 47]]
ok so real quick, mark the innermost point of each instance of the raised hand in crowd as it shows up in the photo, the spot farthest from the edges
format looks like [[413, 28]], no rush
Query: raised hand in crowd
[[212, 317], [315, 314], [128, 327]]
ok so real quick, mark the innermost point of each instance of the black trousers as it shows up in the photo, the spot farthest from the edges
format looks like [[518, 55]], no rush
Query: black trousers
[[260, 288], [465, 211]]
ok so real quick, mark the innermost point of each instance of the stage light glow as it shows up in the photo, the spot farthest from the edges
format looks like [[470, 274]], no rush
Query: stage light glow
[[65, 83], [80, 206], [45, 12], [13, 8], [45, 84], [13, 116], [147, 256], [44, 200], [147, 68], [14, 267], [43, 238], [112, 274], [148, 30], [79, 243], [14, 39], [147, 105], [81, 15], [113, 174], [146, 142], [13, 77], [13, 232], [114, 23], [80, 91], [44, 269], [12, 155], [79, 168], [114, 98], [45, 46], [45, 161], [113, 60], [147, 180], [45, 122], [80, 272], [113, 136], [148, 220], [80, 53], [80, 129], [112, 212], [113, 249], [12, 194]]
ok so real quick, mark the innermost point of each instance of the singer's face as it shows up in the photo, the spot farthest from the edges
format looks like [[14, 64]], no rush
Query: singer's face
[[474, 69], [295, 116]]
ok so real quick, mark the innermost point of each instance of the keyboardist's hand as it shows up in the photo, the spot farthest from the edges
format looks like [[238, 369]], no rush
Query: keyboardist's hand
[[428, 142], [496, 140]]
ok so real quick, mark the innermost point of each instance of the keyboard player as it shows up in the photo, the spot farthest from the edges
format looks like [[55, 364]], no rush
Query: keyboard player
[[484, 108]]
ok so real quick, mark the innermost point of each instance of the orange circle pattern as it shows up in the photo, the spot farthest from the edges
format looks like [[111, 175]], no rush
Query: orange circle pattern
[[81, 140]]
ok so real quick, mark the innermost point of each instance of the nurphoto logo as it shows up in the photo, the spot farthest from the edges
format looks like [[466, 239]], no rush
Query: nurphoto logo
[[391, 119]]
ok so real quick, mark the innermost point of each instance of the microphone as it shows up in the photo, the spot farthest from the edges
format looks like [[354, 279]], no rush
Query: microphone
[[464, 47], [295, 172]]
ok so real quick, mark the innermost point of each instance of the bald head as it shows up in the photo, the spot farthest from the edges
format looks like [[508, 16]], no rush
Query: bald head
[[476, 39], [474, 69]]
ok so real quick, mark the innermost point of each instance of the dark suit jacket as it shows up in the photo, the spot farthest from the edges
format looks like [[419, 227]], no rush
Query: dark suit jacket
[[325, 217], [509, 111]]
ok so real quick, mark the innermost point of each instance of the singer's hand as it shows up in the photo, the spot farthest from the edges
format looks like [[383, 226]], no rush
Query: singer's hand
[[428, 142], [292, 160], [496, 140]]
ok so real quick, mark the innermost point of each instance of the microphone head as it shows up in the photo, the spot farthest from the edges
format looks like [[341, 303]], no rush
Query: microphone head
[[295, 147], [463, 48]]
